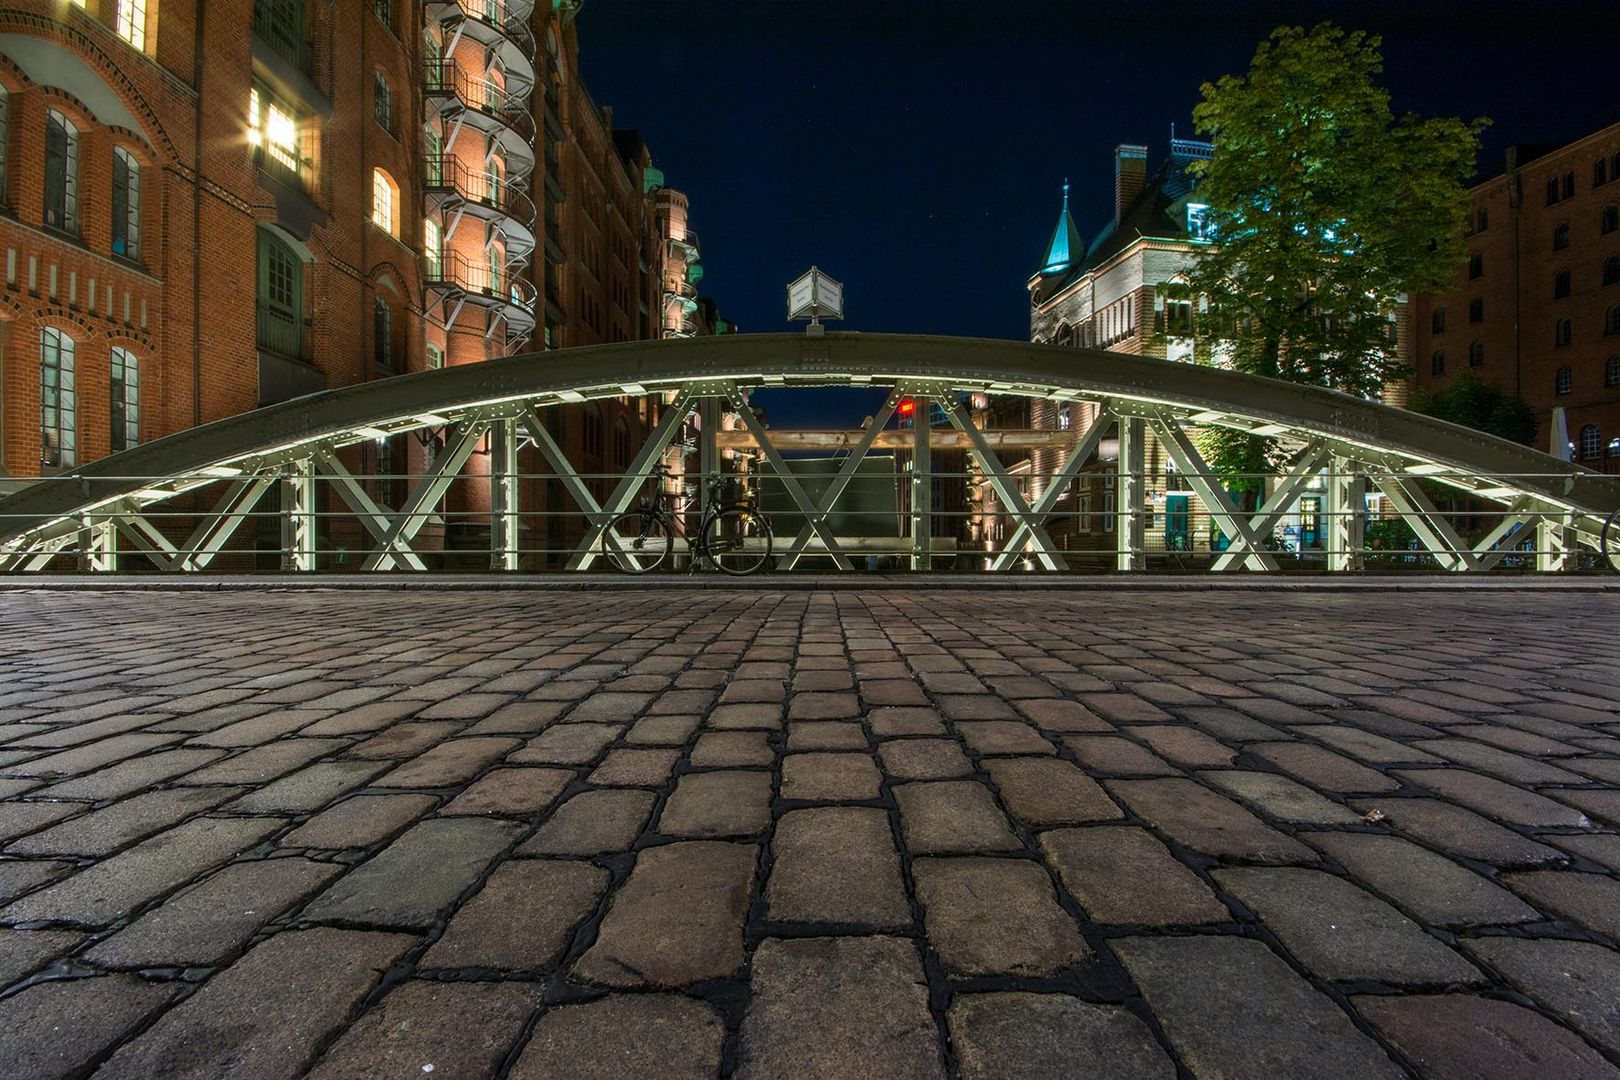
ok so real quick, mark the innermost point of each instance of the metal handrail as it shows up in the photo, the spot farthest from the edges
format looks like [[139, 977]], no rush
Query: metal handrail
[[480, 279], [446, 171], [485, 96]]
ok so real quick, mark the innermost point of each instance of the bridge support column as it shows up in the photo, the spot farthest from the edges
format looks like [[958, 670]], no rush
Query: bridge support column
[[1346, 515], [922, 486], [1130, 535], [1555, 543], [503, 507], [98, 545], [708, 450], [298, 543]]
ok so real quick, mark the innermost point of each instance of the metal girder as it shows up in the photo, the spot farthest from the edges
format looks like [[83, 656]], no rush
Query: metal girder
[[807, 506], [98, 544], [1346, 514], [1555, 542], [1196, 472], [1283, 496], [148, 540], [846, 473], [1078, 456], [395, 542], [1443, 542], [1130, 483], [299, 535], [1498, 543], [922, 486], [503, 508], [377, 521], [1006, 489]]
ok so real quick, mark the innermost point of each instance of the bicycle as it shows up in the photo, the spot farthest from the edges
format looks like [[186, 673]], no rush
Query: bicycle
[[734, 538], [1609, 541]]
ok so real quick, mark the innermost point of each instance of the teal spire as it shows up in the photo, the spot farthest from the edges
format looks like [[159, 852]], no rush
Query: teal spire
[[1066, 247]]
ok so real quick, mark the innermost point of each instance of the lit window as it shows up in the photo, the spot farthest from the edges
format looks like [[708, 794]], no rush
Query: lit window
[[126, 204], [131, 22], [1563, 381], [1591, 442], [382, 200], [432, 248], [61, 173], [125, 400], [435, 357], [1198, 221], [57, 402], [273, 130]]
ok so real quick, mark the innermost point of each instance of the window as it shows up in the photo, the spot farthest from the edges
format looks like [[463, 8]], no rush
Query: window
[[1481, 220], [273, 133], [1611, 270], [1591, 442], [384, 203], [126, 204], [382, 102], [593, 430], [125, 400], [1561, 236], [433, 249], [1476, 354], [1611, 218], [382, 334], [131, 22], [1476, 265], [1563, 333], [385, 11], [1563, 381], [280, 298], [61, 173], [1437, 321], [1198, 222], [5, 137], [1437, 364], [435, 357], [1611, 320], [1569, 184], [1560, 284], [1476, 310], [1552, 190], [57, 402], [1611, 372], [621, 442], [1600, 172]]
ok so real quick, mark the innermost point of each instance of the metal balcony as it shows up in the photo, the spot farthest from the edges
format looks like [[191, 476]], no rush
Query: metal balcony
[[500, 26], [462, 97], [454, 281], [455, 189]]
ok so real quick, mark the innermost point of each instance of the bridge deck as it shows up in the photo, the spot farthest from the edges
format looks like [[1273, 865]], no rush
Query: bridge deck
[[875, 831]]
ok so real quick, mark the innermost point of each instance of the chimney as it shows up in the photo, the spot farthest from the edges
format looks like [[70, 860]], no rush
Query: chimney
[[1130, 176]]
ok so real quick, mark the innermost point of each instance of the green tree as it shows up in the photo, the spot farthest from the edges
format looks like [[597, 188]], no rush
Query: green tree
[[1325, 208], [1473, 402]]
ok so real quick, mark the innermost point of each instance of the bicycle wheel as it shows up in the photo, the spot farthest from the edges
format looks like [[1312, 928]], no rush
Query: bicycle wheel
[[637, 542], [738, 540], [1609, 541]]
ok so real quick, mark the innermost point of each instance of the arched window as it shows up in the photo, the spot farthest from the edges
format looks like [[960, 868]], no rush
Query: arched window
[[1561, 236], [1481, 220], [1437, 364], [58, 404], [1591, 442], [1437, 321], [382, 334], [1476, 354], [1563, 333], [1065, 334], [1611, 218], [1611, 270], [280, 298], [384, 202], [1600, 172], [1560, 284], [124, 399], [1611, 320], [1611, 372], [1564, 381], [61, 173], [126, 204]]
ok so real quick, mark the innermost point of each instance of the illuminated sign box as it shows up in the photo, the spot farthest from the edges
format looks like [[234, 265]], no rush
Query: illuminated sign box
[[815, 296]]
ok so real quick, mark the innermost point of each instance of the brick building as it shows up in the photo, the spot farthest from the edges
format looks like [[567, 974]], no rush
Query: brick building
[[1535, 309], [398, 185]]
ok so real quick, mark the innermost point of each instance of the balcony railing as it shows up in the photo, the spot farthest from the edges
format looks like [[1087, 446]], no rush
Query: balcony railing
[[448, 172], [283, 333], [482, 95], [479, 279]]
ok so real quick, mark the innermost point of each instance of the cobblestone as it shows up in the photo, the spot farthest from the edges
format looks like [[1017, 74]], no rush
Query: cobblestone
[[629, 832]]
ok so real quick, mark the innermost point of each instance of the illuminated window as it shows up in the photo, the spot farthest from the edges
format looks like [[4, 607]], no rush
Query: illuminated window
[[433, 248], [273, 132], [131, 22], [126, 204], [1198, 221], [125, 402], [384, 203], [1563, 381], [1591, 442], [58, 437], [435, 357], [61, 173]]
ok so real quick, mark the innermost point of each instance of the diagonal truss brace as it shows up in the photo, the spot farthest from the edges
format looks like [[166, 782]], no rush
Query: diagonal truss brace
[[1289, 488], [1006, 488], [1197, 473], [1078, 456], [395, 542], [1449, 549], [377, 520], [211, 534], [814, 515], [846, 473]]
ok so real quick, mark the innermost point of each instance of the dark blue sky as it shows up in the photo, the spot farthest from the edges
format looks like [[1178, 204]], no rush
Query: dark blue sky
[[914, 149]]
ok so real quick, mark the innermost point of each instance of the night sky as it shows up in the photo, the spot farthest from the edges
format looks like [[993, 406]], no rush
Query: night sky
[[915, 149]]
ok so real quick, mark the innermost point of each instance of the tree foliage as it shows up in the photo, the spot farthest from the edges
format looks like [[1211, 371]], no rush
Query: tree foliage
[[1325, 208], [1473, 402]]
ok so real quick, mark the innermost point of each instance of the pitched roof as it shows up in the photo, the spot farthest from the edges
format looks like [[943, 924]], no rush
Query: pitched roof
[[1066, 247]]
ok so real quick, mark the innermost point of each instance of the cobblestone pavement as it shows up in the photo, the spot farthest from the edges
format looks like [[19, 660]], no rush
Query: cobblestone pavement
[[880, 833]]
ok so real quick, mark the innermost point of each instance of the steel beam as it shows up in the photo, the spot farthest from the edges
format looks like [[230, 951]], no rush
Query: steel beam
[[922, 486], [216, 529], [503, 510], [299, 541], [98, 544], [1555, 542], [395, 543], [1196, 472], [835, 439], [1130, 538], [1346, 514], [790, 483], [1441, 540], [1078, 455], [846, 473], [1293, 484], [377, 521], [1005, 487]]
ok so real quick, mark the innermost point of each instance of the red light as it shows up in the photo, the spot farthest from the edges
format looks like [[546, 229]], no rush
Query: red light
[[907, 407]]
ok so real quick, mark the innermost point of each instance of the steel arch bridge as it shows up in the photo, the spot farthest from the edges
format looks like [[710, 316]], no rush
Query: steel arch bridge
[[1354, 445]]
